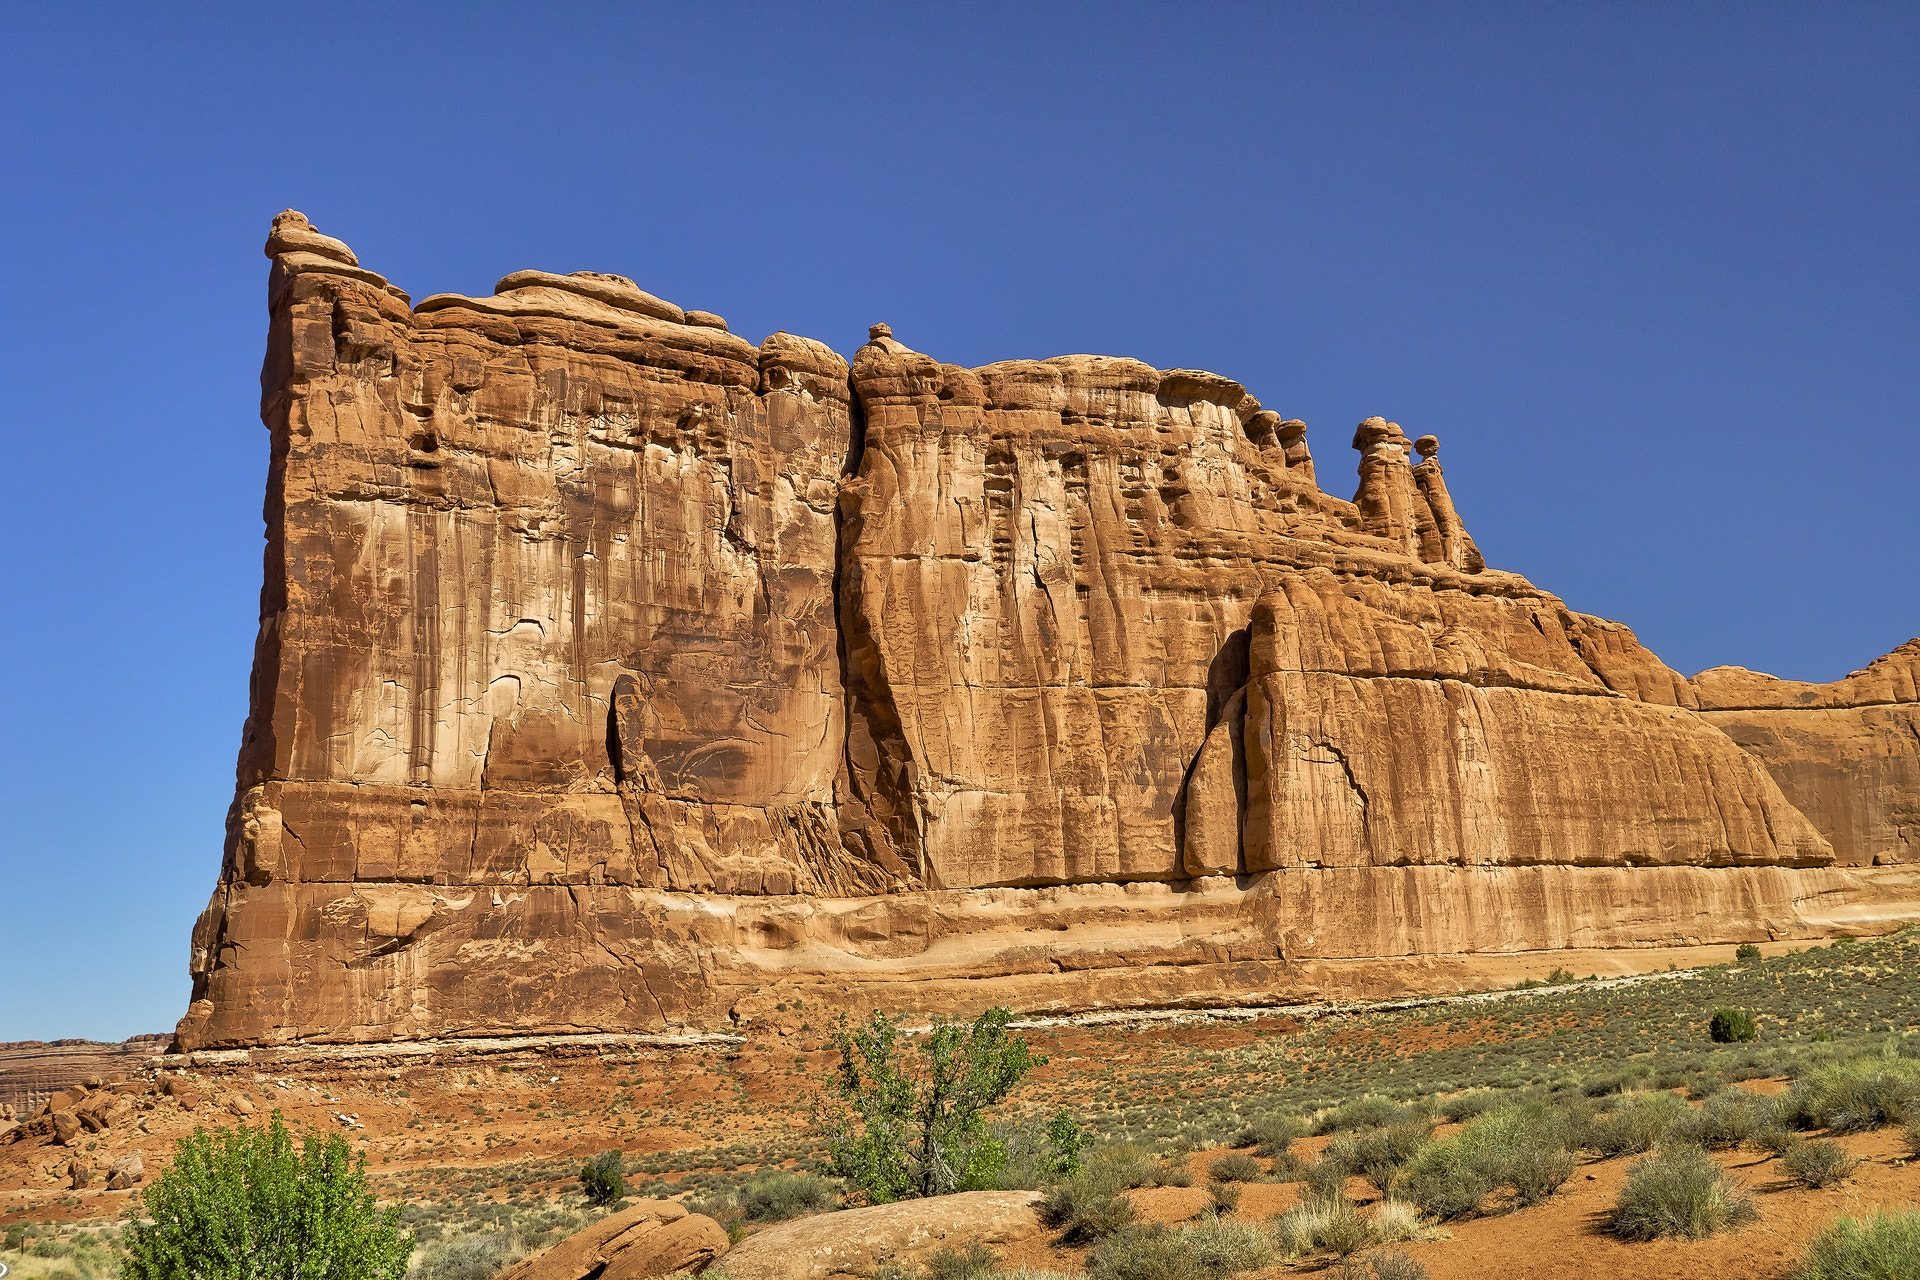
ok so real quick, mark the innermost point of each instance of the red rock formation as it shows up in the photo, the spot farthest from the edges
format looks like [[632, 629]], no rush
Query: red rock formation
[[614, 672], [1847, 754]]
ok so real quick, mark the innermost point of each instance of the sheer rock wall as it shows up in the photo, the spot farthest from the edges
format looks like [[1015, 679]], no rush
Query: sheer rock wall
[[614, 673], [1847, 754]]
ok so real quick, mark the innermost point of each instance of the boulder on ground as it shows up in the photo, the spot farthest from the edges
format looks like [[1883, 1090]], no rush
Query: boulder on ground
[[646, 1239], [79, 1173], [859, 1242], [66, 1127], [126, 1171]]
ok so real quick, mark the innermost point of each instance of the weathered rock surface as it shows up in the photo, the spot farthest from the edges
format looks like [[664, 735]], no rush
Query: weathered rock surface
[[646, 1239], [860, 1242], [614, 672], [1846, 754]]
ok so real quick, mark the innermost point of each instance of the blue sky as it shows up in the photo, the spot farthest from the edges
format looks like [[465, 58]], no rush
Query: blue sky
[[1651, 272]]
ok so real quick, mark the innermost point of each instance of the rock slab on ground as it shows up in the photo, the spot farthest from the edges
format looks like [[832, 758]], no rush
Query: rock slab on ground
[[859, 1242], [646, 1239]]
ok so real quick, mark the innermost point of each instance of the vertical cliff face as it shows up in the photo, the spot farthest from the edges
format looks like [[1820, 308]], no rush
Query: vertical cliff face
[[1847, 754], [612, 668]]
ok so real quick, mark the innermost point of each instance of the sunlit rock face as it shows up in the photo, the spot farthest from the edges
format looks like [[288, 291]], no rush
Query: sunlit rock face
[[614, 672]]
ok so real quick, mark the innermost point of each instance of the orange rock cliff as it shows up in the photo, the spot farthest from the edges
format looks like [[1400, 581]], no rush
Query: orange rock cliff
[[615, 674]]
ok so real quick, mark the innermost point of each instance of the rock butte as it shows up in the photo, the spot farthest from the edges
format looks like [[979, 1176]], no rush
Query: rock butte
[[616, 674]]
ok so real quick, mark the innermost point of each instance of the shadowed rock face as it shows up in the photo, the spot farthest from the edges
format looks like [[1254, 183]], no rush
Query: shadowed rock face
[[612, 669]]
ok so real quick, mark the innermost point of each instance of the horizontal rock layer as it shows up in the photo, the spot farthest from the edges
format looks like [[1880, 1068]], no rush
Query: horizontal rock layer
[[597, 642]]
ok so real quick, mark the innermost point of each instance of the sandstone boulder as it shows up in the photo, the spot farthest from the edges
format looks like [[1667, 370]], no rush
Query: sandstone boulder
[[646, 1239], [126, 1171], [66, 1128], [859, 1242]]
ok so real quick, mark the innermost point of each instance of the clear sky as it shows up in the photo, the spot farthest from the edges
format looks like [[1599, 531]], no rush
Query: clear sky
[[1651, 272]]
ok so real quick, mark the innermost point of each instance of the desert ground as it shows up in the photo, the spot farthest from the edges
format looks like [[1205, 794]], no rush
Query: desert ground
[[487, 1145]]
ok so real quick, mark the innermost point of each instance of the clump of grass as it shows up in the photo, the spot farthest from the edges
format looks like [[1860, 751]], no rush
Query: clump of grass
[[776, 1197], [1087, 1207], [1369, 1112], [1235, 1167], [1681, 1192], [1223, 1197], [1325, 1177], [1883, 1247], [1465, 1106], [1523, 1147], [1636, 1125], [1821, 1163], [1395, 1221], [974, 1261], [474, 1257], [1172, 1172], [1323, 1222], [1856, 1094], [1378, 1155], [1209, 1251], [1272, 1133], [1727, 1120], [1912, 1136], [1389, 1264]]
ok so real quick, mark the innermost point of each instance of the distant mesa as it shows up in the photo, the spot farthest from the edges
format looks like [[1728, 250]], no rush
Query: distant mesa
[[618, 674]]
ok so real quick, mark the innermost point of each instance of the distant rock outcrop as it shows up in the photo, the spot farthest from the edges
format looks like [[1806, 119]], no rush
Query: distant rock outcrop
[[617, 674]]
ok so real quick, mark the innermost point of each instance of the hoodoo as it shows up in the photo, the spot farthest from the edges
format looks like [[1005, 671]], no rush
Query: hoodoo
[[617, 674]]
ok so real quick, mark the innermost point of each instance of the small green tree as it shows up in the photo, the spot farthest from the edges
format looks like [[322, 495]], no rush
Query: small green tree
[[1732, 1026], [1746, 953], [242, 1204], [913, 1124], [604, 1178]]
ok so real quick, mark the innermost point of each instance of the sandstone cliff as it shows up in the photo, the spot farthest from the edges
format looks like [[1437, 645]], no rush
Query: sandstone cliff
[[614, 672]]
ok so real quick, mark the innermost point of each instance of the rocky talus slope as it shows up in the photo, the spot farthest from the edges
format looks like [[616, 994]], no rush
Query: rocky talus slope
[[615, 674]]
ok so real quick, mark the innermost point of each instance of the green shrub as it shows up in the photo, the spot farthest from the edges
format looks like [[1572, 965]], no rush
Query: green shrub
[[1067, 1143], [1912, 1136], [1774, 1138], [1224, 1197], [604, 1178], [913, 1123], [1086, 1207], [242, 1203], [1822, 1163], [1638, 1124], [1732, 1026], [1746, 953], [1235, 1167], [776, 1197], [1883, 1247], [1855, 1094], [1679, 1193]]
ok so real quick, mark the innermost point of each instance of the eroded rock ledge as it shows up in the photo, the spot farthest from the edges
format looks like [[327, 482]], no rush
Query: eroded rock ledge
[[615, 672]]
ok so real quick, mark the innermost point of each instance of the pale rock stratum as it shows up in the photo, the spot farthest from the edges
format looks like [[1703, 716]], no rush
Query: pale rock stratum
[[616, 674]]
